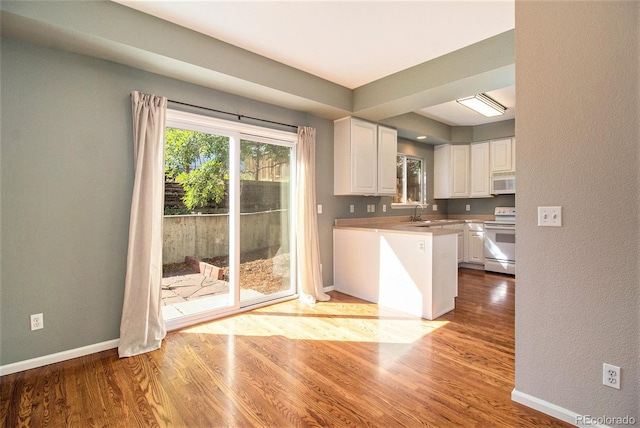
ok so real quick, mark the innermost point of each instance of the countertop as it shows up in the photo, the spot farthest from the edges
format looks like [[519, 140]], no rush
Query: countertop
[[403, 224]]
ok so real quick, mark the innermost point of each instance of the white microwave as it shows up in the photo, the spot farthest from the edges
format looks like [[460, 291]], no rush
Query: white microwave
[[503, 183]]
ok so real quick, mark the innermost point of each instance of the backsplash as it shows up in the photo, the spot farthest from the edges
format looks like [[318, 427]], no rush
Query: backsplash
[[480, 205]]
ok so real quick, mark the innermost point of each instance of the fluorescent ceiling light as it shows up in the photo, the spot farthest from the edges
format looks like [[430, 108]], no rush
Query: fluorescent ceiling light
[[421, 137], [484, 105]]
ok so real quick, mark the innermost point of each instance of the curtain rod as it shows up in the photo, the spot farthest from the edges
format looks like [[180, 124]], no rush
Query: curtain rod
[[239, 116]]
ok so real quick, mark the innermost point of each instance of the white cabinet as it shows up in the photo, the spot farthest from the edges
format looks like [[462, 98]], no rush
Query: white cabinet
[[451, 171], [387, 153], [364, 158], [460, 228], [416, 273], [480, 177], [503, 155], [464, 170], [474, 243]]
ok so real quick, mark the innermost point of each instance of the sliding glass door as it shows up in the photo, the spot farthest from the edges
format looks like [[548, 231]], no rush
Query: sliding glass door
[[229, 223], [265, 220]]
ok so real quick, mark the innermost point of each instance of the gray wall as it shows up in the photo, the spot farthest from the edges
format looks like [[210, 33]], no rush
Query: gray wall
[[485, 206], [67, 177], [66, 138], [578, 146]]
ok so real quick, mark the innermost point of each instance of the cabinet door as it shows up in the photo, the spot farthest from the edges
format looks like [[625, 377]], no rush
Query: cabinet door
[[441, 166], [501, 156], [480, 177], [459, 171], [363, 157], [513, 154], [476, 247], [387, 152], [460, 247]]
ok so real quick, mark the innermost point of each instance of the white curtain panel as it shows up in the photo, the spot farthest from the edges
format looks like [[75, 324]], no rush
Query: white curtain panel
[[142, 327], [309, 274]]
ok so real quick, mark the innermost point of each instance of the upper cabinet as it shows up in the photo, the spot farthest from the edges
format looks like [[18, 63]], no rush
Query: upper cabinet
[[364, 158], [451, 171], [480, 176], [464, 170], [503, 155], [387, 154]]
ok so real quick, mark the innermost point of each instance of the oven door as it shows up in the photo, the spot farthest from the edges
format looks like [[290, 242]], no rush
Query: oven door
[[500, 248]]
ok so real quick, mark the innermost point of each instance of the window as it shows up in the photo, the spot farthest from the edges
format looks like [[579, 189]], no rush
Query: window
[[410, 180]]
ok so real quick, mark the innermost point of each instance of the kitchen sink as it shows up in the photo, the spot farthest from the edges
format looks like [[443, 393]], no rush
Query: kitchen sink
[[427, 223]]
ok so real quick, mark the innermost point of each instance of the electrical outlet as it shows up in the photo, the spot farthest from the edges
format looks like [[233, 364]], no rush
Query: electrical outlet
[[37, 322], [550, 216], [352, 208], [468, 207], [384, 208], [611, 376], [319, 209], [434, 207]]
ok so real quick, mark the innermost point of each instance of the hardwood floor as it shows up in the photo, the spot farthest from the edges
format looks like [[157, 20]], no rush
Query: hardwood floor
[[345, 362]]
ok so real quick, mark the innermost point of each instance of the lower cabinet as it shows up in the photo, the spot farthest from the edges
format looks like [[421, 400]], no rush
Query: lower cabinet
[[474, 243], [461, 229]]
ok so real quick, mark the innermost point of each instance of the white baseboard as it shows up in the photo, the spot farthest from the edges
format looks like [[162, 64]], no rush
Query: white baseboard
[[548, 408], [57, 357], [328, 288]]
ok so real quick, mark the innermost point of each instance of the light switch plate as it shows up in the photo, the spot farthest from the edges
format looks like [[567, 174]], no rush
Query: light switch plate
[[550, 216]]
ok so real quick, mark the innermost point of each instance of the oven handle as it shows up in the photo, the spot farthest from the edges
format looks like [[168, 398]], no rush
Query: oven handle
[[500, 227]]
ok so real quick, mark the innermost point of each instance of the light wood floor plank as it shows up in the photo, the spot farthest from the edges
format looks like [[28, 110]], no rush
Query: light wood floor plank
[[342, 363]]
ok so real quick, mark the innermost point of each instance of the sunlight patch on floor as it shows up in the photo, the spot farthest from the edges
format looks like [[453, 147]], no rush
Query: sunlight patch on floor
[[329, 321]]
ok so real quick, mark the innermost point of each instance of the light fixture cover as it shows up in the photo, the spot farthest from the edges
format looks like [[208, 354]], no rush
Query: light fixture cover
[[483, 104]]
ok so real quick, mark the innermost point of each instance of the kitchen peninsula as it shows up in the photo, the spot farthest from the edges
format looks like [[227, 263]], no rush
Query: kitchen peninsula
[[402, 265]]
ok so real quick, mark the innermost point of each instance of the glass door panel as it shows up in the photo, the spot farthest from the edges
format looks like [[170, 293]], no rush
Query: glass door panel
[[265, 270], [196, 224]]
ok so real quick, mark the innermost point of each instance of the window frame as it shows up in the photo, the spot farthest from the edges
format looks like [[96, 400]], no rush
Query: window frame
[[423, 184]]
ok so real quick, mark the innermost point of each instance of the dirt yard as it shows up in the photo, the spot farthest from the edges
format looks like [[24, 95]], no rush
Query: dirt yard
[[264, 271]]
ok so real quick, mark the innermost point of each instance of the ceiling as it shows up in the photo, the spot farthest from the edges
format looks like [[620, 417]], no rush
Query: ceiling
[[351, 43]]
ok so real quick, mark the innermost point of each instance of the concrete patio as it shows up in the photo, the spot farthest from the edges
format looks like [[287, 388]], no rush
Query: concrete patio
[[192, 293]]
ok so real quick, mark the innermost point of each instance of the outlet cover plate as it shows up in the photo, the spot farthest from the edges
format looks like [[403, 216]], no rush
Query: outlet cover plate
[[37, 322], [611, 375]]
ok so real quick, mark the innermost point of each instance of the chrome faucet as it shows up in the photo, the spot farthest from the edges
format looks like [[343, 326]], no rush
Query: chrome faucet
[[417, 217]]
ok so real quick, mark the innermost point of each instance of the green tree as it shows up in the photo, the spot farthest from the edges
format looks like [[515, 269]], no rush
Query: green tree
[[259, 156], [199, 162]]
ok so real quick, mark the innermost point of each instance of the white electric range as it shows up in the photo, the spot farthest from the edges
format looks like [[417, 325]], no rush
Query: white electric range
[[500, 241]]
